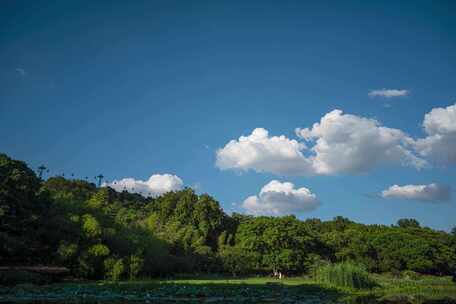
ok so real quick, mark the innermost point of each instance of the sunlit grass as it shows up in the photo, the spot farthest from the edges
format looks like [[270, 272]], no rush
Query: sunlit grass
[[429, 286]]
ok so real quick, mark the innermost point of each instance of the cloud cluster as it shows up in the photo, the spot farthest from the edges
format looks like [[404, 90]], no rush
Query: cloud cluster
[[276, 198], [342, 143], [388, 93], [429, 193], [440, 143], [156, 185]]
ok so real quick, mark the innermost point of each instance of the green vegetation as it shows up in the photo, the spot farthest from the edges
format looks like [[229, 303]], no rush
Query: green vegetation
[[98, 233], [228, 290], [344, 275]]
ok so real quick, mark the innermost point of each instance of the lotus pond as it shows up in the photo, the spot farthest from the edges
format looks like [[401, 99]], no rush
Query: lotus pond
[[223, 290]]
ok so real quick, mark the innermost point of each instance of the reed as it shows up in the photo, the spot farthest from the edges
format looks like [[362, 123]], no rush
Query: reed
[[345, 274]]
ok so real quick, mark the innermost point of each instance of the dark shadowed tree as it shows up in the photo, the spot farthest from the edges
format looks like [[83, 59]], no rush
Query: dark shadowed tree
[[408, 223]]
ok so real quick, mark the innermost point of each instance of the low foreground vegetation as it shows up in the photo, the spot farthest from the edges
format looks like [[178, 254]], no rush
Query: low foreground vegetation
[[229, 290]]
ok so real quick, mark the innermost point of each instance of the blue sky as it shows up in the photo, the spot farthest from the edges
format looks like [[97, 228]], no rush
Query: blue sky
[[156, 87]]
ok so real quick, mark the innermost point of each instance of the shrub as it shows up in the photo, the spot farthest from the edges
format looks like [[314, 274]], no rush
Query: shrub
[[108, 266], [91, 226], [344, 275], [84, 267], [236, 261], [67, 251], [115, 269], [410, 275], [313, 262], [135, 266], [99, 250], [118, 270]]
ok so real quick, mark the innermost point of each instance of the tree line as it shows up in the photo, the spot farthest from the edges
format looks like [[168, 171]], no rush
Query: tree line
[[99, 233]]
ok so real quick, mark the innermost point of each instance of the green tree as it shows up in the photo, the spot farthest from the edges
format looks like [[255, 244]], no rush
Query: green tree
[[23, 210], [408, 223]]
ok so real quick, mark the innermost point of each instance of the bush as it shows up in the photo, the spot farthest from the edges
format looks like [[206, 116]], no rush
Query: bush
[[236, 261], [410, 275], [312, 263], [99, 250], [344, 275], [135, 266], [115, 269], [67, 251]]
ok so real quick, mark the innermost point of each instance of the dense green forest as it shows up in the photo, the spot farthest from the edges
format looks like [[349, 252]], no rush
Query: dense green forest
[[99, 233]]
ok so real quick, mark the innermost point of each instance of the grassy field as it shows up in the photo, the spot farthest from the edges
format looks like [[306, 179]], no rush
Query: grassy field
[[229, 290]]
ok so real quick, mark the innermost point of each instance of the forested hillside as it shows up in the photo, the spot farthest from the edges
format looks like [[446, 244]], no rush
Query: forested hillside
[[101, 233]]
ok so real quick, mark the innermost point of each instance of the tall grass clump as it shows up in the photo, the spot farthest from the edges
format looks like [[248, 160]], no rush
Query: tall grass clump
[[344, 275]]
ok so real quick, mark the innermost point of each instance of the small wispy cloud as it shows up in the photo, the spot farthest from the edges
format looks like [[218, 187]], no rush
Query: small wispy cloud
[[197, 186], [21, 72], [387, 105], [388, 93]]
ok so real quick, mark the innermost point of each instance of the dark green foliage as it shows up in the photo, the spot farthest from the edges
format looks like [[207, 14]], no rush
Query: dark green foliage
[[237, 261], [98, 227], [391, 249], [276, 244], [408, 223], [100, 233], [23, 209], [191, 225]]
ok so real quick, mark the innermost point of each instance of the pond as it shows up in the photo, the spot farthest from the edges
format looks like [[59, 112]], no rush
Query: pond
[[218, 291]]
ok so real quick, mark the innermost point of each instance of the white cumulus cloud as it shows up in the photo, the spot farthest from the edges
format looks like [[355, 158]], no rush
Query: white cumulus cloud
[[440, 143], [430, 193], [388, 93], [277, 198], [156, 185], [342, 143], [263, 153], [346, 143]]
